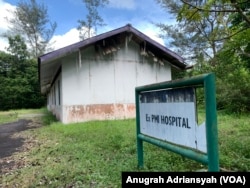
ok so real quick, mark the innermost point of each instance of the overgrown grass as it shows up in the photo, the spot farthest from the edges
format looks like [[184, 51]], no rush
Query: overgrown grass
[[93, 154], [234, 141], [6, 117], [14, 115]]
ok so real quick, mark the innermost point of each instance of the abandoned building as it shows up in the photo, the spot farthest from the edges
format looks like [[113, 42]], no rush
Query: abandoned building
[[95, 79]]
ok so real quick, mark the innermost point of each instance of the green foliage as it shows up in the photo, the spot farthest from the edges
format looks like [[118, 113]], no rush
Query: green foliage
[[238, 18], [178, 74], [48, 118], [233, 87], [18, 48], [198, 32], [19, 87], [215, 39]]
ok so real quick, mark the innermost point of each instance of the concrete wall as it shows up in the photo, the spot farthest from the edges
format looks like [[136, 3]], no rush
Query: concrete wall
[[103, 86]]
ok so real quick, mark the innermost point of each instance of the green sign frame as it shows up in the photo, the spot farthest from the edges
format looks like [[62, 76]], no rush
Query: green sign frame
[[211, 158]]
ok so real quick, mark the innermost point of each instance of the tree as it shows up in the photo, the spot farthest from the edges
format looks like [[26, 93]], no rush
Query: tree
[[17, 60], [216, 34], [32, 23], [236, 12], [194, 8], [19, 85], [233, 77], [196, 34], [4, 65], [89, 26], [17, 47]]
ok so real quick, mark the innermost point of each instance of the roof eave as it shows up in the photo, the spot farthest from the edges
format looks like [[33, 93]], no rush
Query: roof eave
[[128, 28], [174, 59]]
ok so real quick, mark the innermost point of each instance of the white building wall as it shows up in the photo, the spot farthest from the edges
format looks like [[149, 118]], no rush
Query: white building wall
[[103, 86]]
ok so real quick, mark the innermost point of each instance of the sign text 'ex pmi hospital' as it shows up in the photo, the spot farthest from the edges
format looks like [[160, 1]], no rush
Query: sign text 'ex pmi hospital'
[[168, 120], [170, 115]]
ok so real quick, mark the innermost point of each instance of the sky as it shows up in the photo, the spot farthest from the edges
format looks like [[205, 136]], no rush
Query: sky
[[140, 14]]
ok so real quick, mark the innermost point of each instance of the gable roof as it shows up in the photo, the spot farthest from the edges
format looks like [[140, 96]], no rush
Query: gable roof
[[48, 70]]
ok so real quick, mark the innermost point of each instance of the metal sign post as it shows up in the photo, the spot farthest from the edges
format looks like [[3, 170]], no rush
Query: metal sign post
[[166, 117]]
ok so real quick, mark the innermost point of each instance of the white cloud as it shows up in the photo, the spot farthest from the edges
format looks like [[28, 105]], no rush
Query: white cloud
[[126, 4], [153, 33], [60, 41], [5, 12], [148, 29]]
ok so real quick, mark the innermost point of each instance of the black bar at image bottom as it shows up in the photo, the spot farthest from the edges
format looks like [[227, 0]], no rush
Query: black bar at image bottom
[[195, 179]]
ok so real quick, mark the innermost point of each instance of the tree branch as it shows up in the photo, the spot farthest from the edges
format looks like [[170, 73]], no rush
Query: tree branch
[[240, 11], [228, 37], [202, 9], [245, 54]]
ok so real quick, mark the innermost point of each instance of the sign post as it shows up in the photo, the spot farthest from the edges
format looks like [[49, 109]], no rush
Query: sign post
[[166, 116]]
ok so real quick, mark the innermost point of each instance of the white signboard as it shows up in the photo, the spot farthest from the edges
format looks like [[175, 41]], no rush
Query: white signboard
[[170, 115]]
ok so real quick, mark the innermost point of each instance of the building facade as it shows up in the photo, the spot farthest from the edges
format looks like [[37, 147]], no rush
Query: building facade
[[95, 79]]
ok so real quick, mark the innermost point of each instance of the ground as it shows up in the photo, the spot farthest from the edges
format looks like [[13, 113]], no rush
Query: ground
[[12, 141]]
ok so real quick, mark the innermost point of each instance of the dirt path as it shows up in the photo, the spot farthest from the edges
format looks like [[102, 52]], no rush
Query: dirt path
[[12, 141], [9, 144]]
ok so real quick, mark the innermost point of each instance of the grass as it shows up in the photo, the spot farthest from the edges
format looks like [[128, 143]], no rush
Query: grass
[[234, 141], [93, 154], [14, 115]]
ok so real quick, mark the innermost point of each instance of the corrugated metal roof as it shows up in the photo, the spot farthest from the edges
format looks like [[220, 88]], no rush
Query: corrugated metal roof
[[139, 37]]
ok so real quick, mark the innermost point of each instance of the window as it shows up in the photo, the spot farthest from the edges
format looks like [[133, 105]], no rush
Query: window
[[54, 92], [59, 94]]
